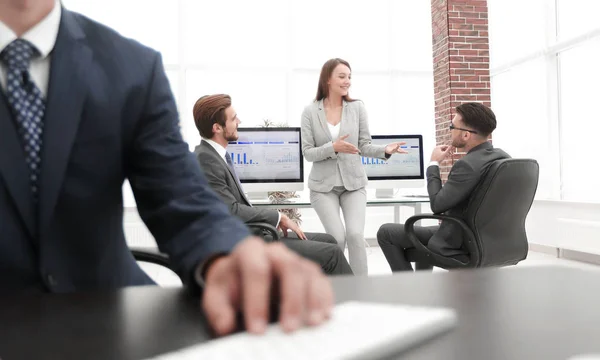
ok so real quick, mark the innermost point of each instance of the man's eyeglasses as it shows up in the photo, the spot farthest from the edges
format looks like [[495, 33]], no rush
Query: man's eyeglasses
[[452, 127]]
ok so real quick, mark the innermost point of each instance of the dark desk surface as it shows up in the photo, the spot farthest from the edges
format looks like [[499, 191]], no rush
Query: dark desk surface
[[512, 313]]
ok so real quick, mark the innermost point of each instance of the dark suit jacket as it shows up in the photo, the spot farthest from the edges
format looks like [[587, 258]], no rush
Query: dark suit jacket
[[453, 197], [223, 182], [110, 115]]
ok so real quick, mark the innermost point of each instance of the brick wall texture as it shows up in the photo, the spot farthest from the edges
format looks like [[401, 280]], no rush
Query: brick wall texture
[[460, 61]]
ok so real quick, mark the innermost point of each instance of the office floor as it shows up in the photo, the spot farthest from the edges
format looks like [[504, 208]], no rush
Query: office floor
[[379, 266]]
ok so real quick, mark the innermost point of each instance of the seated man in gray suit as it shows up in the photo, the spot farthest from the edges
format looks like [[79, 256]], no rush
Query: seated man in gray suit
[[469, 130], [217, 123]]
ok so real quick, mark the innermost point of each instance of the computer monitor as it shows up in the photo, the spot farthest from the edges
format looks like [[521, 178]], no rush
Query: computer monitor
[[400, 171], [268, 159]]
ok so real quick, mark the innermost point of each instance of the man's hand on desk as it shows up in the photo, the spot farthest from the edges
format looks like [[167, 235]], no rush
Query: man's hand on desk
[[245, 279], [285, 224]]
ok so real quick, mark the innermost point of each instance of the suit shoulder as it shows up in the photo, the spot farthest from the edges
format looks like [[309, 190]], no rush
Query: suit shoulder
[[466, 163], [502, 154], [357, 107], [206, 158], [358, 104], [309, 112]]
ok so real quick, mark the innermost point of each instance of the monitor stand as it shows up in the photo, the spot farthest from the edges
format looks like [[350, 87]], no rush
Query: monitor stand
[[258, 196], [384, 193]]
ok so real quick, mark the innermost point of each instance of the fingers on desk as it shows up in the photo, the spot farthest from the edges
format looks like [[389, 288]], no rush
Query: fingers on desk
[[247, 278], [320, 299], [256, 275], [289, 270], [221, 297]]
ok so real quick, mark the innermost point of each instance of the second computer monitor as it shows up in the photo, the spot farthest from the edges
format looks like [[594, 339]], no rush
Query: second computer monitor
[[400, 171], [268, 159]]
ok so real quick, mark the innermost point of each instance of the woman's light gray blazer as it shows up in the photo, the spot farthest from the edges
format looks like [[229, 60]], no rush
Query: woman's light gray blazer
[[317, 146]]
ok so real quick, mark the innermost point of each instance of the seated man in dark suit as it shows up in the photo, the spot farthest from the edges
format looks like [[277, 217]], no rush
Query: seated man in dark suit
[[470, 130], [217, 123]]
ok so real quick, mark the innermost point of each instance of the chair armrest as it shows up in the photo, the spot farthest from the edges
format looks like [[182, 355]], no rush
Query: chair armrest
[[265, 227], [150, 255], [469, 240]]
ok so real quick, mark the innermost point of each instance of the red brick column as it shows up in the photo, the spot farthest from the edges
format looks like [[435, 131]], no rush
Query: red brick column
[[461, 70]]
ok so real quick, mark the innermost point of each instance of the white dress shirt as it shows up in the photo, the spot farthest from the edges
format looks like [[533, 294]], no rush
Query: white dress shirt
[[222, 151], [43, 37], [334, 130]]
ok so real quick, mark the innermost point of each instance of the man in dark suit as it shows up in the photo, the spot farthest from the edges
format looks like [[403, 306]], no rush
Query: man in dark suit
[[81, 109], [470, 130], [217, 123]]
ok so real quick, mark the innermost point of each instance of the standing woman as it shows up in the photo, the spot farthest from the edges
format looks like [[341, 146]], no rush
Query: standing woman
[[335, 133]]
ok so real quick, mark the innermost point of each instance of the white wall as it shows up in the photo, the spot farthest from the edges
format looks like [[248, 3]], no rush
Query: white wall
[[565, 225]]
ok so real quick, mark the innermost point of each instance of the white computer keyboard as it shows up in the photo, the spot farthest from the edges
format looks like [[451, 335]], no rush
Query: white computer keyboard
[[356, 330]]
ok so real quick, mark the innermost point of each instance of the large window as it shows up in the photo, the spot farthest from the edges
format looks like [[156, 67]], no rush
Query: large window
[[267, 55], [151, 22], [577, 17], [544, 79], [520, 102], [517, 28], [580, 122]]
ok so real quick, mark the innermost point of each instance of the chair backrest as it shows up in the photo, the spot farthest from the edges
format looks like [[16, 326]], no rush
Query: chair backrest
[[498, 208]]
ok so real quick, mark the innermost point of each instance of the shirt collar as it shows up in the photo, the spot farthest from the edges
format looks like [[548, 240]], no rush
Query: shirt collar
[[42, 36], [220, 149]]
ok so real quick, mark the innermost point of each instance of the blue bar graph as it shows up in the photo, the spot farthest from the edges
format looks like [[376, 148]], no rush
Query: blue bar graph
[[369, 161], [242, 159]]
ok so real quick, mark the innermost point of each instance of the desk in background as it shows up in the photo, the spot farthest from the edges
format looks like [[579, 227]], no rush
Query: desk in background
[[510, 313], [396, 202]]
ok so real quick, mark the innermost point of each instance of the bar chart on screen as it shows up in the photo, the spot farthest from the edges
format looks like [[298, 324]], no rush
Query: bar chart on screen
[[243, 159], [263, 159], [398, 164]]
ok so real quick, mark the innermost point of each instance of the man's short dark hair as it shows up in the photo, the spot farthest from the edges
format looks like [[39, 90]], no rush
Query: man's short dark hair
[[478, 117], [209, 110]]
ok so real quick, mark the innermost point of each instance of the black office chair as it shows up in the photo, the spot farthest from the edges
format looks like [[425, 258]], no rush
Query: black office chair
[[154, 256], [494, 222]]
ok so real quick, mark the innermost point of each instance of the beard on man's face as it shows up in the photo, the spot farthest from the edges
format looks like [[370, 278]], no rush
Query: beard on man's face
[[231, 136], [458, 143]]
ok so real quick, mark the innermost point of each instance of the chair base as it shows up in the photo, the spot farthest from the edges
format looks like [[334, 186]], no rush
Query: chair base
[[414, 255]]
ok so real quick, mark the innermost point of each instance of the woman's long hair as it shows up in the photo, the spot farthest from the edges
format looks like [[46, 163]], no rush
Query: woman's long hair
[[326, 71]]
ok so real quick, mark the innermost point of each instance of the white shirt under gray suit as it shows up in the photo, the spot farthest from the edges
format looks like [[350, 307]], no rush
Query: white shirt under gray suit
[[338, 180]]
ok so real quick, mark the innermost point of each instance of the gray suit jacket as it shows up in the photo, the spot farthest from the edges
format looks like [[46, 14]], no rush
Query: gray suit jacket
[[453, 198], [223, 182], [317, 146]]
